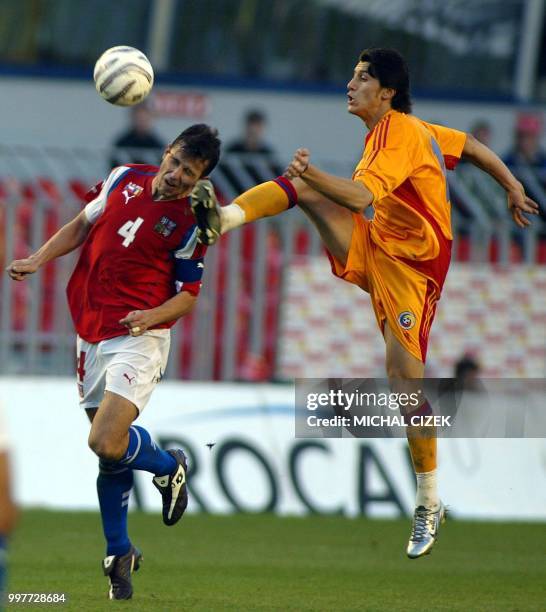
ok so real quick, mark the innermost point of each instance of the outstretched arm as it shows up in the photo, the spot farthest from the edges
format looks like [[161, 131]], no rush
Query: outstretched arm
[[488, 161], [347, 193], [68, 238]]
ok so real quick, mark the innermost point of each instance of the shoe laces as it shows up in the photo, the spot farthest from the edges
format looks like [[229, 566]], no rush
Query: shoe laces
[[423, 524]]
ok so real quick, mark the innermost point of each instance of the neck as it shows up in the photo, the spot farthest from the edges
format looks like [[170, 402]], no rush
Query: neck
[[373, 118]]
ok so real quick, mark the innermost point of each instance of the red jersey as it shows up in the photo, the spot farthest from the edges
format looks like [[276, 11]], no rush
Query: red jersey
[[137, 255]]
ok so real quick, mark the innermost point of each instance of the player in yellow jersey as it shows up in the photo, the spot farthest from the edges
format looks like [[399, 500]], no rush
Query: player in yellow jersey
[[401, 257]]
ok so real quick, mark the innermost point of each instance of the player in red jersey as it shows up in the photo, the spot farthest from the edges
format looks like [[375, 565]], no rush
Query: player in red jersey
[[139, 271]]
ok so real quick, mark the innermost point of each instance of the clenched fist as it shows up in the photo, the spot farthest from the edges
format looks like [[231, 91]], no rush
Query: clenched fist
[[299, 164], [20, 268]]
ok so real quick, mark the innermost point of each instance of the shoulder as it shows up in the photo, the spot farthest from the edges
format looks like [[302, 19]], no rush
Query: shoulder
[[235, 147], [410, 124], [123, 140], [145, 169], [398, 129], [118, 177]]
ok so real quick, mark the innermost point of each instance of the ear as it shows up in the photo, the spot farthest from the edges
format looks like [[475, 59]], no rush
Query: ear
[[388, 93]]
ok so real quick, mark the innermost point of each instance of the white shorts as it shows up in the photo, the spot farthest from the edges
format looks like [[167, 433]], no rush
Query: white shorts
[[126, 365]]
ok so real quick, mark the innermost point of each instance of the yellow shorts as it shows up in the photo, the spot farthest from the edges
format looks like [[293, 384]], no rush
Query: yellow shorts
[[403, 292]]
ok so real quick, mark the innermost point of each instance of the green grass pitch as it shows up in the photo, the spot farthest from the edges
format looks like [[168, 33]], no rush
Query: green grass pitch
[[263, 562]]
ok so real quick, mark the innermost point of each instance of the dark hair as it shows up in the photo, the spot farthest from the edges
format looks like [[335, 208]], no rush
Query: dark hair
[[465, 365], [200, 141], [391, 70], [254, 115]]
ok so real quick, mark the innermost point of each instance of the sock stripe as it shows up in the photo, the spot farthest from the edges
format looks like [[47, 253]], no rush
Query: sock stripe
[[288, 188], [424, 409], [132, 457], [143, 454]]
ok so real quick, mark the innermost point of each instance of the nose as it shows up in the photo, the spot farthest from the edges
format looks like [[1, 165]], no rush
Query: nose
[[350, 85], [176, 175]]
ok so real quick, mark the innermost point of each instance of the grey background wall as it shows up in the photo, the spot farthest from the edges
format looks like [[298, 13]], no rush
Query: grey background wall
[[70, 113]]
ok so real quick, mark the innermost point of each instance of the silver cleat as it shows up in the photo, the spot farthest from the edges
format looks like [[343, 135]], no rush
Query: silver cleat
[[206, 209], [424, 531]]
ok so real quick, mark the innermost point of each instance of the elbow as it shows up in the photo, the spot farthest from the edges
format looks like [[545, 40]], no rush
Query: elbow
[[470, 146], [359, 204], [361, 200]]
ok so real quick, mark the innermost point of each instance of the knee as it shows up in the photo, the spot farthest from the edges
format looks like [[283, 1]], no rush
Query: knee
[[104, 447]]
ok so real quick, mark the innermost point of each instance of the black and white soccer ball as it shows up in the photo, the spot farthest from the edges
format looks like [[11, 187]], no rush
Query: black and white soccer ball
[[123, 76]]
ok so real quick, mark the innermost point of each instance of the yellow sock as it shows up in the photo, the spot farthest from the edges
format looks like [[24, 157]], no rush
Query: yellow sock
[[422, 441], [423, 451], [267, 199]]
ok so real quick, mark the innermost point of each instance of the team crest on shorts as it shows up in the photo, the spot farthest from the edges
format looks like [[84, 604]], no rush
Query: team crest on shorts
[[406, 319], [165, 227]]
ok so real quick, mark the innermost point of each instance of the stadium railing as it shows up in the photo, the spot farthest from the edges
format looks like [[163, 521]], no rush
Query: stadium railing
[[232, 334]]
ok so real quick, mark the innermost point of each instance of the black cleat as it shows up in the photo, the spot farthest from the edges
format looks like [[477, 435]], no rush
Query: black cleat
[[206, 209], [173, 489], [119, 570]]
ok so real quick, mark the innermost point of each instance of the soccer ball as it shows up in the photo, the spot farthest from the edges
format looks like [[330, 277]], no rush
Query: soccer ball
[[123, 76]]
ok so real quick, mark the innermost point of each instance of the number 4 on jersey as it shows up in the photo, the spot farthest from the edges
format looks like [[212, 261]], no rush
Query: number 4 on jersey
[[128, 230]]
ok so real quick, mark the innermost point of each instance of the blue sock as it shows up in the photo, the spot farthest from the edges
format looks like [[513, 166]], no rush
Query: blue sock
[[143, 454], [3, 553], [114, 485]]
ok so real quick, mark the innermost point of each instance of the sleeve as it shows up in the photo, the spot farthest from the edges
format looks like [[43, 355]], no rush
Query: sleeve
[[450, 141], [96, 198], [388, 161], [189, 265]]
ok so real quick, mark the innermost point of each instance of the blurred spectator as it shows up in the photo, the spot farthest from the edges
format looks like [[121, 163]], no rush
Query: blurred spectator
[[526, 148], [252, 139], [139, 136], [8, 511], [488, 192], [481, 130], [257, 156], [526, 159], [454, 392], [467, 373]]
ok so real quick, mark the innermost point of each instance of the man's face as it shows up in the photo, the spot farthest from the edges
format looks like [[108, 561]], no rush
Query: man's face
[[364, 93], [527, 143], [177, 174], [255, 131], [142, 120]]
